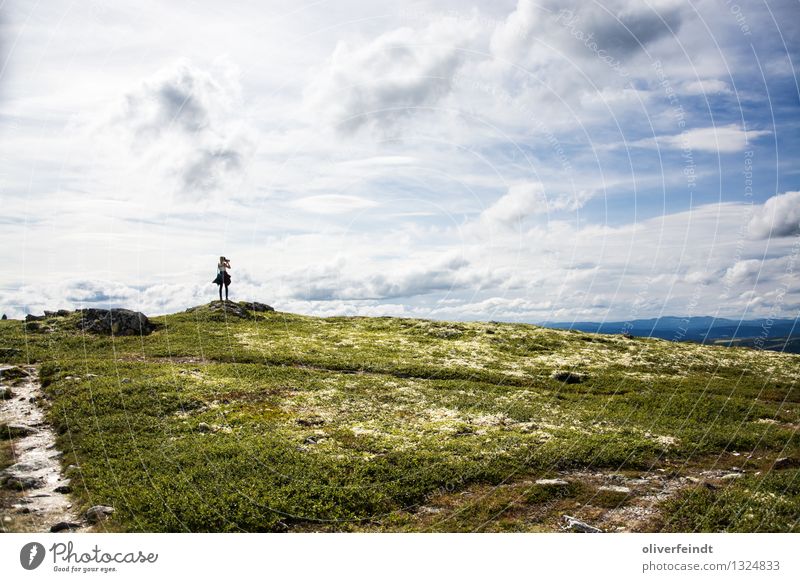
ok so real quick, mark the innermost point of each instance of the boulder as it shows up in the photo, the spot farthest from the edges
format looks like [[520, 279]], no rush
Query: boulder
[[256, 306], [242, 309], [115, 322], [32, 317], [98, 513]]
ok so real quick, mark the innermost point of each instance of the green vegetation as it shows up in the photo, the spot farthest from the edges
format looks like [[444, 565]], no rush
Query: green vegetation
[[281, 421]]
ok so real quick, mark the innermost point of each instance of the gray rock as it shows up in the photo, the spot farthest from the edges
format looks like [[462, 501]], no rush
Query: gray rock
[[15, 431], [31, 317], [568, 377], [204, 427], [64, 526], [579, 526], [63, 489], [14, 373], [552, 482], [115, 322], [6, 393], [256, 306], [98, 513], [62, 313], [21, 482], [615, 488], [222, 309], [732, 476]]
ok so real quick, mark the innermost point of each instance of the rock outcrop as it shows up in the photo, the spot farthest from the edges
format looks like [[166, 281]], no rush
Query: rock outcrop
[[114, 322], [241, 309]]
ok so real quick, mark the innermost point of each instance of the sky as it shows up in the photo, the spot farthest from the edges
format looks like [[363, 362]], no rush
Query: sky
[[497, 160]]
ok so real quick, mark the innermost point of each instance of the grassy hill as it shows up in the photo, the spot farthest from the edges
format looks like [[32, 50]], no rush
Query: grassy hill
[[282, 422]]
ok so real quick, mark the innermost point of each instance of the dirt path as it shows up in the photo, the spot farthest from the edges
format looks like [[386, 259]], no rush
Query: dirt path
[[33, 489]]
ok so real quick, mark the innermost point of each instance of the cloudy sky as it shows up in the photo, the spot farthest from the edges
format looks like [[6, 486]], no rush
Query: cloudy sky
[[508, 160]]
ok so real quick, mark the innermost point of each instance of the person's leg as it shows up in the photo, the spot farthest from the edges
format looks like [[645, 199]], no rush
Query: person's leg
[[226, 292], [220, 292]]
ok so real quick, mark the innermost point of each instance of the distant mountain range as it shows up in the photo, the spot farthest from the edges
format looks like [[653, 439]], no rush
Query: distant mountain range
[[775, 334]]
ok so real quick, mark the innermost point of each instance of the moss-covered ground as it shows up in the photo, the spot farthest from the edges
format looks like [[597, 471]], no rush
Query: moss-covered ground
[[285, 422]]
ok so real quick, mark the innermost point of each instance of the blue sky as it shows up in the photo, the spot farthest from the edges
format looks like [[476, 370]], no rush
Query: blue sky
[[520, 161]]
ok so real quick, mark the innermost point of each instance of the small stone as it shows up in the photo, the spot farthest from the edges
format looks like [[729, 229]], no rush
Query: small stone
[[579, 526], [731, 476], [568, 377], [64, 526], [615, 489], [126, 380], [15, 431], [315, 421], [204, 427], [22, 482], [552, 482], [63, 489], [98, 513]]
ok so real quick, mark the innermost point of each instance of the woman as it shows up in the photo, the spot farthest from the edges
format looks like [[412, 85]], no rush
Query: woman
[[223, 278]]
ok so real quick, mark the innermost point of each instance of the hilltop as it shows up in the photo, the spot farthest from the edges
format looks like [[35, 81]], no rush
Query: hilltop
[[236, 418]]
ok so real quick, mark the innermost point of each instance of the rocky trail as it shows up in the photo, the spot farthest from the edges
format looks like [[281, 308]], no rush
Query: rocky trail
[[33, 491]]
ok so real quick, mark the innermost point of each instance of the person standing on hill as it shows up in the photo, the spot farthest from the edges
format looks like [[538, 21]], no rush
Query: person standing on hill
[[223, 278]]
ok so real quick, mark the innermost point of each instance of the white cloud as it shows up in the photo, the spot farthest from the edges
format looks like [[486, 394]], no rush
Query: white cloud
[[744, 272], [528, 199], [778, 216], [186, 126], [705, 87], [723, 139], [384, 81]]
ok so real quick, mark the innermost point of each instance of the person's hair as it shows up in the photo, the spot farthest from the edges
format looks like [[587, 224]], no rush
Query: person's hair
[[222, 259]]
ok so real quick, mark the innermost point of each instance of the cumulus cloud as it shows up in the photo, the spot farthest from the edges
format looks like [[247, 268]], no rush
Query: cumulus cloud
[[744, 272], [779, 216], [581, 30], [527, 199], [387, 80], [338, 282], [186, 122]]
